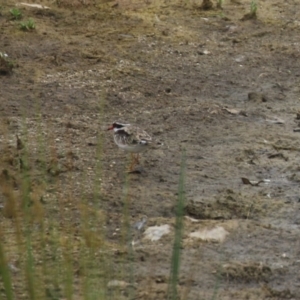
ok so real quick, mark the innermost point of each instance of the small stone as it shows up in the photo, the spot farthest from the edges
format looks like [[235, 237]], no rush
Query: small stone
[[203, 52], [240, 58], [253, 96], [206, 5], [117, 284]]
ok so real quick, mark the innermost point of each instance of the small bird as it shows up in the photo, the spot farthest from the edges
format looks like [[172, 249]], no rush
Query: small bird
[[140, 224], [138, 228], [131, 139]]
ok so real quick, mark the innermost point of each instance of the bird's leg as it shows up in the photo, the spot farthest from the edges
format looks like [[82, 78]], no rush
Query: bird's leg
[[137, 158], [132, 163]]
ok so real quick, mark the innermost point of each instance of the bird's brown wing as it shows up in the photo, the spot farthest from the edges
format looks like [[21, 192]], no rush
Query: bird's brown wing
[[124, 136], [139, 134]]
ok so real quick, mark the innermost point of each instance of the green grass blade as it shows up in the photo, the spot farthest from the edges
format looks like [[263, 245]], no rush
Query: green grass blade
[[30, 271], [4, 271], [175, 262]]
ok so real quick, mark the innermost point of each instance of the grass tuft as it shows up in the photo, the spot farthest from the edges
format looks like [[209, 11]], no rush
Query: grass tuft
[[28, 25], [16, 13], [220, 4], [252, 15], [253, 7]]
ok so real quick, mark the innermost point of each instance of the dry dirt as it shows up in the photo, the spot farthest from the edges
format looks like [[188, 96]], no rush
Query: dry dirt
[[224, 89]]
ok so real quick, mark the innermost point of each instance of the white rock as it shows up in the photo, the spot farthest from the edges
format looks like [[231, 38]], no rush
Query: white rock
[[154, 233], [117, 284], [34, 5], [217, 234]]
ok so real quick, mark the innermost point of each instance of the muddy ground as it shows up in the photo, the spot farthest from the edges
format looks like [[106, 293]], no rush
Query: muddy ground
[[224, 89]]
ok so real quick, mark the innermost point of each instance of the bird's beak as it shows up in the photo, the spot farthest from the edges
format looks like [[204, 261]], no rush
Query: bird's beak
[[110, 127]]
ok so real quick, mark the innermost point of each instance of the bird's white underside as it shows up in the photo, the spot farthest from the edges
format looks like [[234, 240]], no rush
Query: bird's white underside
[[134, 148]]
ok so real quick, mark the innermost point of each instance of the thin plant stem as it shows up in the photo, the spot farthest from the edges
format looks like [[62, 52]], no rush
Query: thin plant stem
[[4, 272], [175, 261]]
